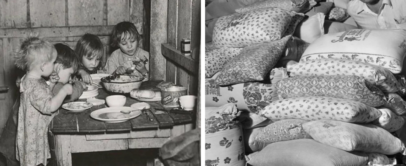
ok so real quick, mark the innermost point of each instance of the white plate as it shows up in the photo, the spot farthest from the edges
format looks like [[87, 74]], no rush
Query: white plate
[[156, 98], [77, 106], [92, 92], [114, 115]]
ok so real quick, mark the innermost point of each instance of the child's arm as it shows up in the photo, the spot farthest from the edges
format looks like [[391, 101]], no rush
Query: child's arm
[[45, 102], [85, 76], [57, 100]]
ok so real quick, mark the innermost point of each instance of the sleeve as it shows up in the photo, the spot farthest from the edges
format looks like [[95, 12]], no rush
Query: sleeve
[[41, 99], [112, 63]]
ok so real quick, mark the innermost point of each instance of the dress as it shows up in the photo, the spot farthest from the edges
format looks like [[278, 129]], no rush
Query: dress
[[34, 116], [118, 58]]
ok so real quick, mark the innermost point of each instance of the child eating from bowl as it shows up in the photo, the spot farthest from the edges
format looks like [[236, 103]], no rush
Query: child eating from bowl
[[129, 58]]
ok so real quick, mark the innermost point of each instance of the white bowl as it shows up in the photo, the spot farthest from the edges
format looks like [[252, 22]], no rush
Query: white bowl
[[116, 100]]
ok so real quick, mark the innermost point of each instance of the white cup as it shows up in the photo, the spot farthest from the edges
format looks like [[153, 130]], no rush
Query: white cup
[[187, 102]]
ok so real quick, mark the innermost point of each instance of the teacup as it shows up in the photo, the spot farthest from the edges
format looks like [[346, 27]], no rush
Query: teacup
[[187, 102]]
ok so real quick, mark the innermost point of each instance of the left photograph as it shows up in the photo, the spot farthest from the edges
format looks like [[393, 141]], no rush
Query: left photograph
[[100, 83]]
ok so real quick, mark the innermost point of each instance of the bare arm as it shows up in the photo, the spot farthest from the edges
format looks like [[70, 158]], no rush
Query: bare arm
[[57, 100]]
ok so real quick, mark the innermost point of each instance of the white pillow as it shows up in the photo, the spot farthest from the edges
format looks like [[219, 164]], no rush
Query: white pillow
[[311, 29]]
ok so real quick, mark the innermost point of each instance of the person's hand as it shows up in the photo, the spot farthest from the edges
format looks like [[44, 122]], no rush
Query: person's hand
[[86, 77], [68, 89], [121, 70], [54, 78], [141, 68]]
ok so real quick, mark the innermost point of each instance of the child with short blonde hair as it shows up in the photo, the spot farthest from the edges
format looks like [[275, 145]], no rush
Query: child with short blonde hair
[[37, 103], [129, 58]]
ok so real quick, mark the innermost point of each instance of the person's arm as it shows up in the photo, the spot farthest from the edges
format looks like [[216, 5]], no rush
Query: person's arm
[[85, 76], [47, 103]]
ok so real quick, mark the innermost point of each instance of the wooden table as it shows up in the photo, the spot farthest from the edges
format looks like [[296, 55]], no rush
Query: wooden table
[[78, 132]]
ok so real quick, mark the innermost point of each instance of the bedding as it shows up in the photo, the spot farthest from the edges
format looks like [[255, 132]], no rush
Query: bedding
[[307, 152], [282, 130], [293, 52], [345, 87], [315, 108], [354, 137], [299, 6], [338, 14], [215, 59], [253, 63], [332, 27], [385, 48], [224, 143], [396, 103], [377, 75], [244, 29]]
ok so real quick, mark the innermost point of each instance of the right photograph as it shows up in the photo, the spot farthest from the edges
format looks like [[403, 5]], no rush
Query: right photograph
[[305, 82]]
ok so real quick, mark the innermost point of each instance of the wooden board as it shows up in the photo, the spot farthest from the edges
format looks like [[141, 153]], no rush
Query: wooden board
[[87, 124], [195, 30], [64, 123], [171, 69], [52, 15], [117, 11], [85, 12], [75, 31], [181, 61], [137, 15], [8, 16], [158, 33]]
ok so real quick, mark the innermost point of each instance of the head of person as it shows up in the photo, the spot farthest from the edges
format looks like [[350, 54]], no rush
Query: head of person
[[36, 54], [126, 37], [89, 51], [66, 62]]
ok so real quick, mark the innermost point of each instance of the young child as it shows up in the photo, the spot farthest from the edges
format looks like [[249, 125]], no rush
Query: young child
[[37, 104], [129, 58], [66, 64], [89, 51]]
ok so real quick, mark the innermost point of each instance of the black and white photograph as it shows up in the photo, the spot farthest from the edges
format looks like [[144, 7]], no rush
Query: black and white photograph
[[100, 82], [305, 83]]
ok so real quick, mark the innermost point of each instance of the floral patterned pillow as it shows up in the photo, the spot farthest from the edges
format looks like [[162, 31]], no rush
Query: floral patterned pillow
[[389, 120], [344, 87], [354, 137], [257, 95], [299, 6], [244, 29], [326, 108], [253, 63], [215, 59], [377, 75], [283, 130], [386, 48]]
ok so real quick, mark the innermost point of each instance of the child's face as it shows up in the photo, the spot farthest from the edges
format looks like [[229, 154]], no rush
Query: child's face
[[48, 67], [128, 45], [65, 74], [91, 63]]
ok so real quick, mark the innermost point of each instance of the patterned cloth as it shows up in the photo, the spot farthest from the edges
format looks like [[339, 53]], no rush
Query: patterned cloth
[[34, 116], [215, 59]]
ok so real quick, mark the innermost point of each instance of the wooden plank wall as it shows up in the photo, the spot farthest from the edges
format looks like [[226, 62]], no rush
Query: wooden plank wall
[[184, 22], [57, 21]]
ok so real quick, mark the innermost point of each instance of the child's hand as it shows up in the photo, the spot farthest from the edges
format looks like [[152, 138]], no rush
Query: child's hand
[[86, 77], [141, 68], [121, 70], [68, 89]]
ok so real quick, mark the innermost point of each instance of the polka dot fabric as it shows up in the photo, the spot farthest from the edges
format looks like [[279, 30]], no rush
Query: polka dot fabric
[[321, 108], [215, 59], [380, 76], [243, 29], [283, 130], [354, 137], [253, 63], [344, 87]]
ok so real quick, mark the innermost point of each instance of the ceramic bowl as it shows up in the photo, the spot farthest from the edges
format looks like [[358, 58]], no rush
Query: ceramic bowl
[[122, 85], [116, 100]]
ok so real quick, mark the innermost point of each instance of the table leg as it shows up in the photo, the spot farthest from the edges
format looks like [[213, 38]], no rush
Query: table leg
[[63, 150]]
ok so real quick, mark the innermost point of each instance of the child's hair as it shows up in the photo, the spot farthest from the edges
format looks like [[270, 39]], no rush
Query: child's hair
[[66, 57], [89, 45], [123, 29], [33, 51]]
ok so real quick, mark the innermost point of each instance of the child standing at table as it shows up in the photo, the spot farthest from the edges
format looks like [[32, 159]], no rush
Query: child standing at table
[[129, 58], [89, 51], [37, 104]]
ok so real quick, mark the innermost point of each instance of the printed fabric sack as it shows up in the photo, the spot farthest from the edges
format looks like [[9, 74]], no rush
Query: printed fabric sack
[[384, 48], [282, 130], [396, 103], [215, 59], [224, 143], [377, 75], [244, 29], [300, 6], [354, 137], [344, 87], [389, 120], [326, 108], [307, 152]]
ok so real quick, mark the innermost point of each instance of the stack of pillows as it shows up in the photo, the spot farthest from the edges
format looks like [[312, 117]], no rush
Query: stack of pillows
[[340, 105]]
